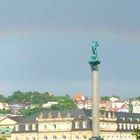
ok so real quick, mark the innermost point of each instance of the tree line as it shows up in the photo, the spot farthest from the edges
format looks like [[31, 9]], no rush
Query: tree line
[[38, 99]]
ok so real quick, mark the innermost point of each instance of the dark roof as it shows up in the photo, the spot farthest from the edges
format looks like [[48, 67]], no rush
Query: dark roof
[[74, 113], [78, 112], [16, 118]]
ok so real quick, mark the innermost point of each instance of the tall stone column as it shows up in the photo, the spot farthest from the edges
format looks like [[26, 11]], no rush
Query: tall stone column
[[95, 93]]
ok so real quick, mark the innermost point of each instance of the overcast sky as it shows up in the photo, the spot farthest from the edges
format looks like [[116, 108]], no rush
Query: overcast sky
[[45, 46]]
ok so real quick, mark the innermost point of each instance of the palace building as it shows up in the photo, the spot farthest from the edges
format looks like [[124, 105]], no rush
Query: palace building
[[70, 125]]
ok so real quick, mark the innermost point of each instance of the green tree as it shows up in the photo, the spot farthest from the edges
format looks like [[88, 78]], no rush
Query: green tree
[[105, 98], [18, 96], [3, 111], [2, 98], [28, 112], [136, 133]]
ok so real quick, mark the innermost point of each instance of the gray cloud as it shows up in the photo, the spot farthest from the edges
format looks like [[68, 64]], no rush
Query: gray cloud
[[45, 45]]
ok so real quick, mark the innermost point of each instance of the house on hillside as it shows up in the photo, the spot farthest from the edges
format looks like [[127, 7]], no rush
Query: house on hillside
[[49, 104], [136, 106], [4, 106]]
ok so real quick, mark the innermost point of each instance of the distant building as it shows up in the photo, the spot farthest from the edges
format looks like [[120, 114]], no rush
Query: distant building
[[114, 99], [78, 97], [49, 104], [136, 106], [88, 104], [4, 106]]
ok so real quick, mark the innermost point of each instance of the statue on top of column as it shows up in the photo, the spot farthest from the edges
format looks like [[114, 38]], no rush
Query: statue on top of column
[[94, 57]]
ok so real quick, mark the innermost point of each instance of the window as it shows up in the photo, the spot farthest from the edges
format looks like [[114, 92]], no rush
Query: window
[[33, 138], [132, 127], [45, 126], [84, 137], [27, 127], [63, 137], [45, 138], [54, 137], [122, 118], [130, 119], [109, 115], [137, 119], [16, 127], [33, 126], [27, 138], [54, 126], [84, 124], [128, 126], [120, 126], [124, 126], [76, 124], [77, 137], [135, 125], [16, 138]]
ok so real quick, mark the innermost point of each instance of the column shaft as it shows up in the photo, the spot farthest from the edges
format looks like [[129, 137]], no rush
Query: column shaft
[[95, 103]]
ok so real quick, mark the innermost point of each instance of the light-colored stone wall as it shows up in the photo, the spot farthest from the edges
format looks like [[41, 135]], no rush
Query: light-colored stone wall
[[58, 135], [23, 136], [55, 126], [82, 135], [75, 135]]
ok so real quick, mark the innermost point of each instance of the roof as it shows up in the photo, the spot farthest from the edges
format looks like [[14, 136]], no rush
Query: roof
[[75, 113]]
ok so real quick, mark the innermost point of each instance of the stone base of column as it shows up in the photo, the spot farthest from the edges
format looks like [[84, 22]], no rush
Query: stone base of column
[[96, 138]]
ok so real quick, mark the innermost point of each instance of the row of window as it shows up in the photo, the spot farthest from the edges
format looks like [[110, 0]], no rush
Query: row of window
[[118, 137], [123, 126], [130, 119], [26, 127], [128, 126], [26, 138], [77, 124], [53, 138]]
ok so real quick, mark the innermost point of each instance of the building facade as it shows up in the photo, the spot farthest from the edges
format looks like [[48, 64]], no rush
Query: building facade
[[74, 125]]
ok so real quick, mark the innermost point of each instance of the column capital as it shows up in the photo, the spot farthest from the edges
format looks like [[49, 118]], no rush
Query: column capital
[[94, 65]]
